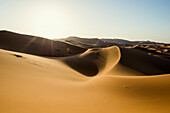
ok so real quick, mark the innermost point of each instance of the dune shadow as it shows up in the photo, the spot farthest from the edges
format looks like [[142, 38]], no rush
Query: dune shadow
[[143, 62], [17, 55], [83, 66]]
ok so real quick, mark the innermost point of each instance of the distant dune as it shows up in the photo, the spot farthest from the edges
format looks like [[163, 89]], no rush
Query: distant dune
[[36, 45], [75, 75]]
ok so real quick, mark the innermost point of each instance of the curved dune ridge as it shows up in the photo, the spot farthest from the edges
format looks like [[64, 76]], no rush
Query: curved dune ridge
[[33, 84], [94, 61]]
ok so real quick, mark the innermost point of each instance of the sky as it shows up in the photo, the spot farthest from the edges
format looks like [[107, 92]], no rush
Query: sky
[[126, 19]]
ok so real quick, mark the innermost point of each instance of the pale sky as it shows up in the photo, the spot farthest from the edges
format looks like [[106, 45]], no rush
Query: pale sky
[[127, 19]]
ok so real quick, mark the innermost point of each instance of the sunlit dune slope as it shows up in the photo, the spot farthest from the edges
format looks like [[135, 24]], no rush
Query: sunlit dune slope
[[32, 84]]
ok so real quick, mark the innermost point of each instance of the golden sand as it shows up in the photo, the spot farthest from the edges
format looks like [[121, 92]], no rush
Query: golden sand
[[33, 84]]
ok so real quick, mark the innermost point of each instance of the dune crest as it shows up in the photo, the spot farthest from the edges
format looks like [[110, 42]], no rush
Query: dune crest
[[96, 61]]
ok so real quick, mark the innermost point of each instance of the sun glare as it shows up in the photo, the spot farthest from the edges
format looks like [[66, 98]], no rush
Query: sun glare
[[50, 20]]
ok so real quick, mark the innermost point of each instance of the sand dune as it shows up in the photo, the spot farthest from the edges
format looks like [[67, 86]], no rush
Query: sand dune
[[143, 62], [36, 45], [94, 61], [96, 80], [33, 84]]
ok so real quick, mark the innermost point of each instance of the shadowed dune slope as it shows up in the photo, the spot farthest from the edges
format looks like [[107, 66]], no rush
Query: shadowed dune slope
[[141, 61], [36, 45]]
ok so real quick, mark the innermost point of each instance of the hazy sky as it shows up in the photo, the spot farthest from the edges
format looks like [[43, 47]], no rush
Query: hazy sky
[[128, 19]]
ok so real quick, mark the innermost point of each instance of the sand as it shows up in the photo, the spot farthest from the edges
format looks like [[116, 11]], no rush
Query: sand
[[36, 45], [39, 75], [34, 84]]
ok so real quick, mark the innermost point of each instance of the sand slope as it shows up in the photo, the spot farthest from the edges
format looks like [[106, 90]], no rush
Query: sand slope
[[143, 62], [33, 84], [94, 61], [36, 45]]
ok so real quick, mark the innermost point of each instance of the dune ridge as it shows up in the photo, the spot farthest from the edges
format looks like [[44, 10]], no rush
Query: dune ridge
[[94, 61]]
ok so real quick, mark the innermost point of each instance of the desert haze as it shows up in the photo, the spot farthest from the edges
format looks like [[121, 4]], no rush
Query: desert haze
[[82, 75]]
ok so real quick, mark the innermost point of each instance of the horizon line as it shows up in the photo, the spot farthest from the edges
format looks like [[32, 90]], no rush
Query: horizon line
[[90, 37]]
